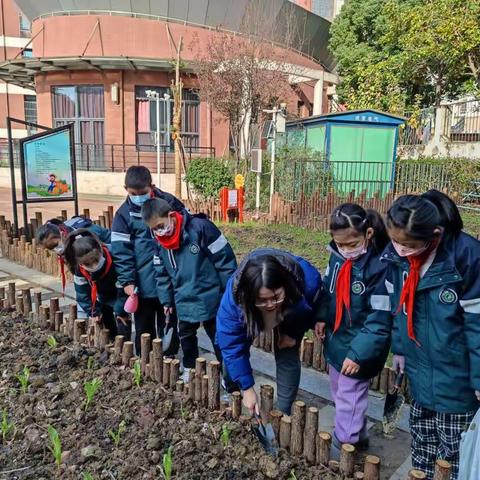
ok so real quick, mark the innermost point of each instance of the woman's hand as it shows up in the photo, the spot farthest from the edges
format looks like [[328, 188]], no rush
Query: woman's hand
[[250, 400], [284, 341], [477, 393], [398, 363], [167, 310], [350, 367], [320, 330], [129, 290]]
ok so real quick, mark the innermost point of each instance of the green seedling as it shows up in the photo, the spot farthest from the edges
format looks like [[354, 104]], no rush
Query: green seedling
[[52, 342], [292, 475], [23, 379], [91, 388], [115, 436], [7, 427], [137, 373], [56, 446], [90, 363], [183, 412], [225, 435], [167, 464], [87, 476]]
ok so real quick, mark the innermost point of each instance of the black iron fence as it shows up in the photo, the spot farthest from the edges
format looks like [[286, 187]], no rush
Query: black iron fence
[[117, 157]]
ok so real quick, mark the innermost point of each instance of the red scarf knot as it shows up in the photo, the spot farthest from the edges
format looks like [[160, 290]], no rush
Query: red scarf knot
[[343, 292], [172, 242], [93, 283]]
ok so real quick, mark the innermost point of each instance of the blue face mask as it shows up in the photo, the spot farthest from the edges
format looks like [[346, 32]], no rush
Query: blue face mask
[[139, 199]]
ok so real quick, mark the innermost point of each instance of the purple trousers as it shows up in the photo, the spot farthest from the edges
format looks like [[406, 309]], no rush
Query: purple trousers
[[351, 401]]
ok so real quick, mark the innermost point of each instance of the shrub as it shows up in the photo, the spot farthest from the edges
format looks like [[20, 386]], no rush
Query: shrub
[[207, 176]]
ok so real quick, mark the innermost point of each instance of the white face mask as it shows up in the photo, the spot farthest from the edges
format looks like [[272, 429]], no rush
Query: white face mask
[[408, 251], [165, 231], [353, 253], [59, 249], [97, 267]]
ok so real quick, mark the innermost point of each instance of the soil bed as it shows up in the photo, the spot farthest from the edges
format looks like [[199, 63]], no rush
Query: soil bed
[[155, 420]]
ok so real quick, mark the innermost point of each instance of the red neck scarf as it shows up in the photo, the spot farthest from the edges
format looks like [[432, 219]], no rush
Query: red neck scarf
[[61, 261], [172, 242], [93, 283], [343, 292], [407, 296]]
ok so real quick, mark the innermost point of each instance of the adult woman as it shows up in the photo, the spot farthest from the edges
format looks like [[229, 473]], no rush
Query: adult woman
[[272, 290]]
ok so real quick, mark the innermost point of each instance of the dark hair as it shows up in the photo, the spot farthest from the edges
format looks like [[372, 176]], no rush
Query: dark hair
[[266, 271], [352, 215], [79, 243], [138, 177], [49, 229], [155, 207], [450, 217], [416, 215]]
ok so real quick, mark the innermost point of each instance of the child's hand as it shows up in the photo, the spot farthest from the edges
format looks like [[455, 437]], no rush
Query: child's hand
[[97, 319], [167, 310], [320, 330], [124, 320], [129, 290], [350, 367], [284, 341], [250, 400], [398, 363], [477, 393]]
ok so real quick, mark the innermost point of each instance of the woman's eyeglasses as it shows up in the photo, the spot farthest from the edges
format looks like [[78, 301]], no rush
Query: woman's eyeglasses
[[273, 302]]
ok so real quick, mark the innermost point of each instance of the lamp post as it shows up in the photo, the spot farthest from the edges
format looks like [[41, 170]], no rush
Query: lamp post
[[154, 95]]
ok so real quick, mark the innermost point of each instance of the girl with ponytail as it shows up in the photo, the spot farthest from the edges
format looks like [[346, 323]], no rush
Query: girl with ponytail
[[358, 239], [95, 281]]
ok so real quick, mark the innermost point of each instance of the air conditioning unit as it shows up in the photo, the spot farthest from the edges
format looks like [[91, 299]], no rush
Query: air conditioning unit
[[256, 164]]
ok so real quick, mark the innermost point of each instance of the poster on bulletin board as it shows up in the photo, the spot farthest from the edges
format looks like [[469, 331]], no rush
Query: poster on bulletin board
[[48, 165]]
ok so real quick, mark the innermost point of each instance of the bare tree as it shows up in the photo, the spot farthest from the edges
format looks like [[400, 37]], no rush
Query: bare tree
[[242, 74]]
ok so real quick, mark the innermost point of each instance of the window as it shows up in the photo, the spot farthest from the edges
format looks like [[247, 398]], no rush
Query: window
[[27, 53], [146, 118], [324, 8], [24, 26], [84, 107], [30, 109]]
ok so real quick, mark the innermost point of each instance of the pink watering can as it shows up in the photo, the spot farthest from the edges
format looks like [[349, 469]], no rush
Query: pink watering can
[[131, 304]]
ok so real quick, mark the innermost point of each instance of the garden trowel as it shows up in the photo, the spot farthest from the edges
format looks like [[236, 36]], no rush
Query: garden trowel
[[167, 335], [393, 405], [266, 436]]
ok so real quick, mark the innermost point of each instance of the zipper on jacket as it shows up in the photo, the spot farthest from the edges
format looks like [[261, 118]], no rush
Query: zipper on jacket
[[171, 257]]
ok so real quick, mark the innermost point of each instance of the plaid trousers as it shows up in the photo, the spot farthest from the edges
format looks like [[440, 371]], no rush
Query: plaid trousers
[[435, 436]]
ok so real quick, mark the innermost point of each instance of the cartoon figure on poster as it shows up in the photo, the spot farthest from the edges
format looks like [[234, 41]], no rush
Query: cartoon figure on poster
[[48, 167]]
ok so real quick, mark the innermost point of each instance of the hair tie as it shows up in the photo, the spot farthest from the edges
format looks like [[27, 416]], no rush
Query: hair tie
[[78, 236]]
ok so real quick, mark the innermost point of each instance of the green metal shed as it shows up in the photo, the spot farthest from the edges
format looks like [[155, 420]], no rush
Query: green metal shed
[[358, 147]]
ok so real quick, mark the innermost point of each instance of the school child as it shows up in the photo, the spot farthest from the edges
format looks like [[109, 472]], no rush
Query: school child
[[95, 280], [433, 284], [133, 249], [358, 238], [52, 179], [52, 235], [193, 264], [276, 292]]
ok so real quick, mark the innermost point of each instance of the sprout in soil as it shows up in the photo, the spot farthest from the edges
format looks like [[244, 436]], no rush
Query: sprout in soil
[[87, 476], [7, 427], [56, 446], [167, 464], [90, 363], [23, 379], [183, 412], [52, 342], [225, 436], [91, 389], [137, 373], [292, 475], [115, 436]]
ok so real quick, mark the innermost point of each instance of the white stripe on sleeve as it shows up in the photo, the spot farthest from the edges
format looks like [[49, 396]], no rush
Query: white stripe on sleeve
[[471, 306], [218, 244], [380, 302], [120, 237], [389, 286]]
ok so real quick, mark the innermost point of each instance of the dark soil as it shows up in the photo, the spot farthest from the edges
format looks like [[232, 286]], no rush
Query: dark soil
[[155, 420]]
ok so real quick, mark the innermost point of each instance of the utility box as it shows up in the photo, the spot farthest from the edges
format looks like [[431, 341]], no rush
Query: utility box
[[358, 147]]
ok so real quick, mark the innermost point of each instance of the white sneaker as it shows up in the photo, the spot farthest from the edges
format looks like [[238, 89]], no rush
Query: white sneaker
[[185, 376]]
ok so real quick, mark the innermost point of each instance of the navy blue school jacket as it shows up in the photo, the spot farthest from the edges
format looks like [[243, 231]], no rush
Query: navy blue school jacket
[[194, 277], [75, 223], [444, 369], [231, 329], [133, 247], [349, 339]]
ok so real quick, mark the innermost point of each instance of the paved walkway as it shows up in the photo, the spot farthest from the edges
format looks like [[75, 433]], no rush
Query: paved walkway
[[314, 388]]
